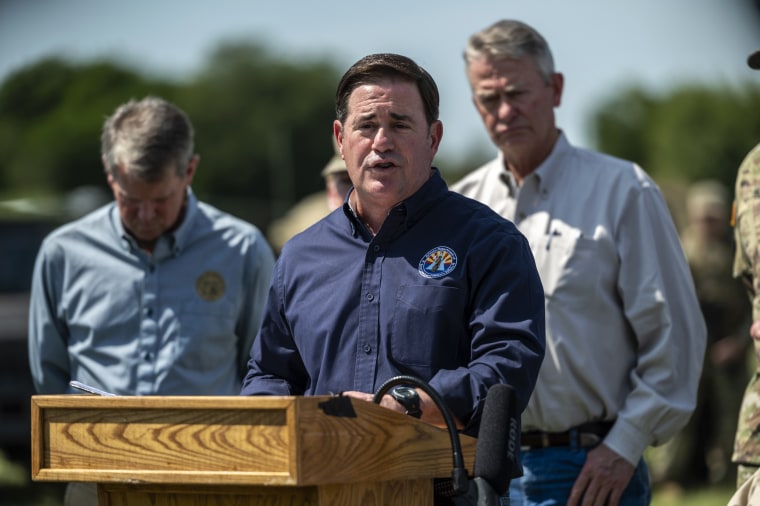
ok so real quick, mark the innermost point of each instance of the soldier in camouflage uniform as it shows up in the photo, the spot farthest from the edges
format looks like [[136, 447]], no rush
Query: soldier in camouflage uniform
[[747, 266]]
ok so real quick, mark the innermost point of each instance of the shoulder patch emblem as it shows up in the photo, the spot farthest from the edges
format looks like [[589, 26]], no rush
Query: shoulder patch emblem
[[438, 262], [210, 286]]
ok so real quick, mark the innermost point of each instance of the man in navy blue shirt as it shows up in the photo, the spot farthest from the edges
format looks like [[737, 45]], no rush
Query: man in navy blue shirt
[[407, 277]]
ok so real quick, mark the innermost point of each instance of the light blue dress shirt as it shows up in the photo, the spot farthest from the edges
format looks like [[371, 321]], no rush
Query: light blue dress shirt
[[179, 321]]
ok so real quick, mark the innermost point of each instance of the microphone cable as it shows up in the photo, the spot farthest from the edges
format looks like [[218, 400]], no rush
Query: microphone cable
[[459, 478]]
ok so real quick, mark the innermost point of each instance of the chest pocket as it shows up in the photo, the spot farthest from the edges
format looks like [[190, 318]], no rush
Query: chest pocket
[[206, 334], [567, 260], [426, 324]]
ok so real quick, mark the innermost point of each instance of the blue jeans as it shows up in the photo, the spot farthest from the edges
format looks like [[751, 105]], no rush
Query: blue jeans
[[549, 475]]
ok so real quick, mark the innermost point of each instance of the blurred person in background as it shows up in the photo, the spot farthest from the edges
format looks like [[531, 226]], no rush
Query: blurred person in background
[[701, 452], [155, 293], [313, 207], [624, 335]]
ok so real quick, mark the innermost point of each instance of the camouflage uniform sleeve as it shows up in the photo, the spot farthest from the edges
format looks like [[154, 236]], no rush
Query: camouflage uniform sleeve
[[747, 226], [747, 267]]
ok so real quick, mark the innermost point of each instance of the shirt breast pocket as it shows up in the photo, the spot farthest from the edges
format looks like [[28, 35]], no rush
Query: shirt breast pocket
[[207, 334], [426, 322], [565, 258]]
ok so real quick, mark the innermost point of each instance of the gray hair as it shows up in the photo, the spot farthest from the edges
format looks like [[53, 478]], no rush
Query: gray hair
[[147, 136], [512, 39]]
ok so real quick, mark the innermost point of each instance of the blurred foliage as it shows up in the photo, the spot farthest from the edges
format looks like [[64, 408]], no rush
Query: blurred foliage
[[263, 127], [50, 119], [262, 124], [692, 133]]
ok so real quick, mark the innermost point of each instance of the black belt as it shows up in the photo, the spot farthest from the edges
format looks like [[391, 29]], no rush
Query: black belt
[[584, 435]]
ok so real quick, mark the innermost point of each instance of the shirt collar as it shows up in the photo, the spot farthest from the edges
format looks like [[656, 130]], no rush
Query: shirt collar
[[182, 234], [545, 174], [173, 241], [407, 211], [549, 170]]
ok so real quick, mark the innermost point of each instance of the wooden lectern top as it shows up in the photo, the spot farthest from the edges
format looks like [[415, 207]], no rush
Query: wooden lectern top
[[294, 441]]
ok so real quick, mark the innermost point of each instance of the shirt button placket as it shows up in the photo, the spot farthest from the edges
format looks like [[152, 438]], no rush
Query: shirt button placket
[[368, 339], [148, 333]]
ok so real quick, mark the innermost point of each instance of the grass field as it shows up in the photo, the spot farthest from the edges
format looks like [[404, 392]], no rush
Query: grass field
[[699, 497]]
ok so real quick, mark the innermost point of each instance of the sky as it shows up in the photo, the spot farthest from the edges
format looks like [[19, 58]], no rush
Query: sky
[[601, 46]]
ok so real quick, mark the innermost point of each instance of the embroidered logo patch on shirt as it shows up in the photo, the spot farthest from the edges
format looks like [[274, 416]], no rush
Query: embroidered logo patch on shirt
[[438, 262], [210, 286]]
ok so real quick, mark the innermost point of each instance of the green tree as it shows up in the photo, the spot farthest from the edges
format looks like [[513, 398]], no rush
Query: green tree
[[692, 133], [51, 113], [263, 127]]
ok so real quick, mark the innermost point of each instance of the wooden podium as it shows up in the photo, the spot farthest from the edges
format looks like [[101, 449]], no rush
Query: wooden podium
[[236, 451]]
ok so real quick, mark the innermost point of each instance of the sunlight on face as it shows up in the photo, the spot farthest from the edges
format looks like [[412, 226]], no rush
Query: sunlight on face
[[515, 103], [386, 142]]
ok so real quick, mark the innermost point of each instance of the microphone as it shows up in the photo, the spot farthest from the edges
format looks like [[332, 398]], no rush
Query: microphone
[[496, 452]]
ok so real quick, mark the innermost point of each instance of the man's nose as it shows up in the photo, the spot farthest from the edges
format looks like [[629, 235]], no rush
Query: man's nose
[[382, 141], [505, 110], [146, 211]]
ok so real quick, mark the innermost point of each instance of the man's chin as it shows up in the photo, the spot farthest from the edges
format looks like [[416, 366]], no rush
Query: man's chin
[[512, 142], [146, 236]]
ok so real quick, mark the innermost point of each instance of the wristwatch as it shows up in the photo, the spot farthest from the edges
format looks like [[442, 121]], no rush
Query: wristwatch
[[409, 398]]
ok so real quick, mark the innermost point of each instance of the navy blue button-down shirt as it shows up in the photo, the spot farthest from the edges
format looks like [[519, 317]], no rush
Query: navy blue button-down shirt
[[446, 291]]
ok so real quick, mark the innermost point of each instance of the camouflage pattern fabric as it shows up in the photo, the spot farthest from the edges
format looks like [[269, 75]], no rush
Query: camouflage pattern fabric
[[747, 267], [748, 494], [746, 473]]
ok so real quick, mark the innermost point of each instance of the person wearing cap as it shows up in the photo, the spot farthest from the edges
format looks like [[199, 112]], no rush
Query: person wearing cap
[[312, 207], [624, 336], [337, 182], [747, 267]]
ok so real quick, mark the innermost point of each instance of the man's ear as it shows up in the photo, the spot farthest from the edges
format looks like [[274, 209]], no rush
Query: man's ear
[[192, 165], [436, 134], [338, 134], [558, 83], [109, 176]]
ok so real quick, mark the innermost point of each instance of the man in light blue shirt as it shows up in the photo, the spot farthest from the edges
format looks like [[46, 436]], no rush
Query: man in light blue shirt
[[156, 293]]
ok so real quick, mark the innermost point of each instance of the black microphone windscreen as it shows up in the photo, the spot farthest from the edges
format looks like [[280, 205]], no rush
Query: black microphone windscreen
[[496, 451]]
